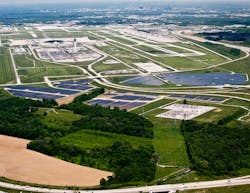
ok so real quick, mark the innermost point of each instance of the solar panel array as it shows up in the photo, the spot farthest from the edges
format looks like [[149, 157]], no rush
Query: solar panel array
[[64, 89], [206, 79], [122, 100], [198, 98], [80, 85], [34, 95]]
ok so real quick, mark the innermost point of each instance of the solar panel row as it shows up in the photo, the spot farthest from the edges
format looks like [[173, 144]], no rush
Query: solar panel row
[[111, 103], [34, 95], [200, 98], [81, 85], [133, 97], [43, 89]]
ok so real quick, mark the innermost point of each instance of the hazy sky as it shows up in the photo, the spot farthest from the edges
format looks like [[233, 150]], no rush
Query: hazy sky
[[12, 2]]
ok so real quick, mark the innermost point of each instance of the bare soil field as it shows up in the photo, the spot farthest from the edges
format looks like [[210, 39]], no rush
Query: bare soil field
[[20, 164]]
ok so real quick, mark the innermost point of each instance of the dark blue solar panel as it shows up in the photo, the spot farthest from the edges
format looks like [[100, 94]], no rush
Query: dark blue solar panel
[[206, 79], [100, 102], [133, 105], [75, 87], [73, 82], [203, 98], [119, 103], [217, 99], [43, 89], [127, 97], [189, 96], [34, 95], [146, 98], [145, 80]]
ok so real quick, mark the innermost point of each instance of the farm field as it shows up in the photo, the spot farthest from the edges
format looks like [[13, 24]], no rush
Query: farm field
[[33, 167]]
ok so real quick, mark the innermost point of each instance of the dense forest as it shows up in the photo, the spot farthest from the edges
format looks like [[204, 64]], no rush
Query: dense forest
[[217, 150], [226, 51], [18, 118]]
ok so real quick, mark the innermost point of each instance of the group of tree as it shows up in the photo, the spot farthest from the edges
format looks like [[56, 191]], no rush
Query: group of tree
[[217, 150], [110, 120], [18, 118], [128, 164], [230, 52], [84, 97]]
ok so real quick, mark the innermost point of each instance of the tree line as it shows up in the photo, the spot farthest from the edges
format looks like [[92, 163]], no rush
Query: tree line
[[215, 149]]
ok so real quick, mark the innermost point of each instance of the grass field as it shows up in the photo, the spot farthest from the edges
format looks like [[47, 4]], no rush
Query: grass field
[[37, 74], [18, 36], [176, 49], [214, 115], [58, 118], [168, 141], [7, 74], [193, 62], [149, 49], [242, 66], [122, 40], [90, 139], [230, 189], [181, 63], [100, 66], [23, 61]]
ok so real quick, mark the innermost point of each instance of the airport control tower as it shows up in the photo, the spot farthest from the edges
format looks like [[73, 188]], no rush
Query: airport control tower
[[75, 50]]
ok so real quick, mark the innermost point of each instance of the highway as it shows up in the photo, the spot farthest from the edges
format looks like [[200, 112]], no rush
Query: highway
[[147, 189]]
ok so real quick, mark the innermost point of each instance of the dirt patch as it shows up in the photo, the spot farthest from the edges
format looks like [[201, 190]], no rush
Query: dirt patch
[[217, 110], [21, 164], [67, 100]]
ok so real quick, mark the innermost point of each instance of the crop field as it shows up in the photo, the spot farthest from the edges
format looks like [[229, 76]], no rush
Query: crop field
[[6, 70], [33, 167]]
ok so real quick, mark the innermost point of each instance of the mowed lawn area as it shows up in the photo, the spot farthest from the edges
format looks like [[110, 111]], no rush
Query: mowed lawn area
[[7, 74], [168, 140], [193, 62], [229, 189], [37, 74]]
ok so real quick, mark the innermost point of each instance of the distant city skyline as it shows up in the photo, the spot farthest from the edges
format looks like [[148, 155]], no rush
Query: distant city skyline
[[12, 2]]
